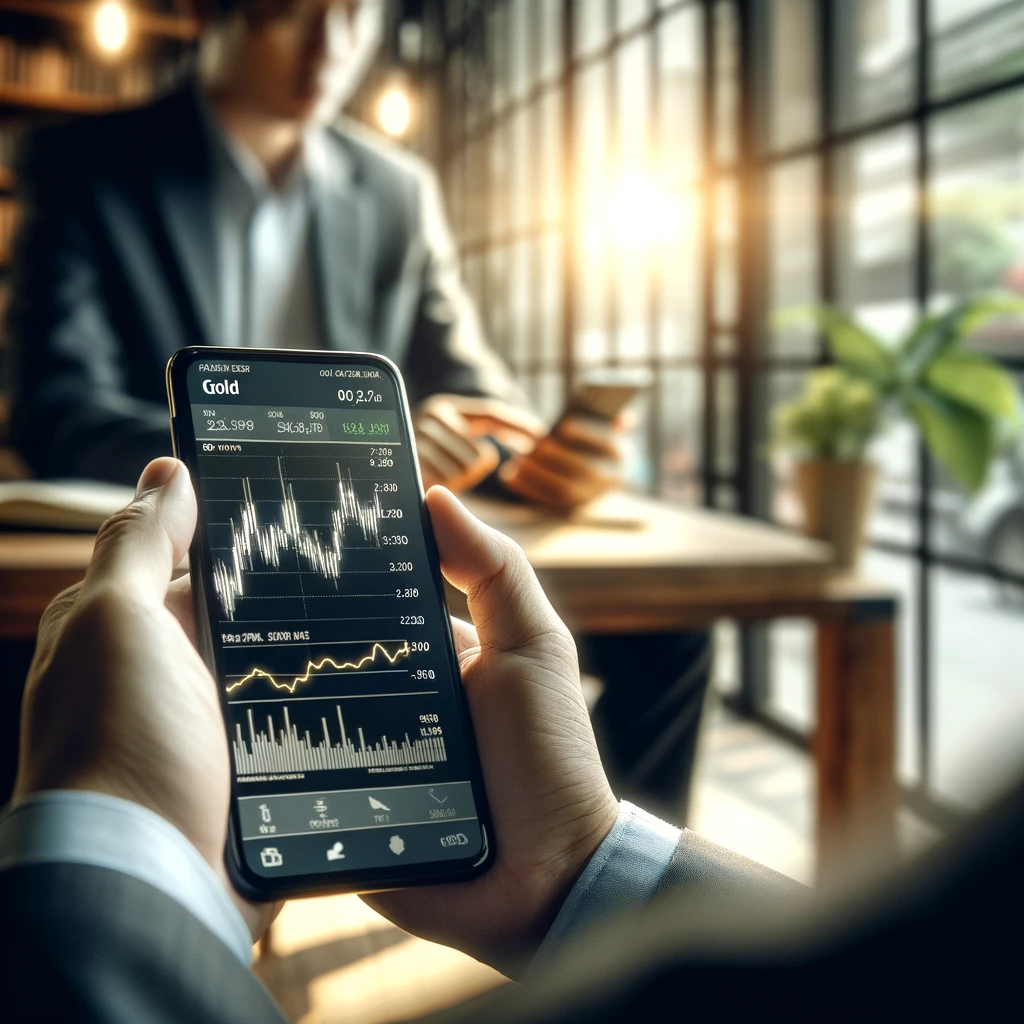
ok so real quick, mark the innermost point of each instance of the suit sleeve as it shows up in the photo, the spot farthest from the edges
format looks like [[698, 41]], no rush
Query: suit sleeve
[[95, 945], [701, 869], [447, 350], [72, 414]]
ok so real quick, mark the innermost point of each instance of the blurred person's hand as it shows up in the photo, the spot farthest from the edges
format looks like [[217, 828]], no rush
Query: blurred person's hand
[[577, 462], [451, 437], [118, 700], [550, 798]]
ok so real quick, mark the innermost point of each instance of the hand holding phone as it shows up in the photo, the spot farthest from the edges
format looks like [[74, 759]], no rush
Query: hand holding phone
[[579, 459], [458, 438]]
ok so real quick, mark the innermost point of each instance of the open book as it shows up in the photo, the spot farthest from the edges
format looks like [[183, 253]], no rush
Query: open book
[[60, 504]]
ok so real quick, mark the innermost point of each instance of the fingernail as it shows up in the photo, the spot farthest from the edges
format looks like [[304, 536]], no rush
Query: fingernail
[[156, 474]]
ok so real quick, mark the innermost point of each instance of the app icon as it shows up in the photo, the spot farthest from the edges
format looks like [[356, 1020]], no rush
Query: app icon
[[270, 857], [334, 853], [396, 844], [459, 839], [377, 805]]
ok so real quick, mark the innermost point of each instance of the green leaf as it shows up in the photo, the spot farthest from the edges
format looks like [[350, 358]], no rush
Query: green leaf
[[935, 335], [976, 381], [852, 345], [986, 307], [959, 438]]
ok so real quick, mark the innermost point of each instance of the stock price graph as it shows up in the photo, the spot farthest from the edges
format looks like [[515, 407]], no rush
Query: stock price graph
[[259, 545]]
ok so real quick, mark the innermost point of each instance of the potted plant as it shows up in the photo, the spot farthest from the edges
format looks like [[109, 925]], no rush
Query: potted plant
[[962, 402]]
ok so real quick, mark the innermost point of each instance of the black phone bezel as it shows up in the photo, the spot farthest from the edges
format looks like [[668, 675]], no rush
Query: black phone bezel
[[247, 882]]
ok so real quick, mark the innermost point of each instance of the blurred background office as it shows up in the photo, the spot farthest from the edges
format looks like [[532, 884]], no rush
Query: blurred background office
[[642, 183]]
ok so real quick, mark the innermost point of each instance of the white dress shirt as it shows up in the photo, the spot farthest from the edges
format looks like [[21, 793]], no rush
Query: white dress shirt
[[264, 240]]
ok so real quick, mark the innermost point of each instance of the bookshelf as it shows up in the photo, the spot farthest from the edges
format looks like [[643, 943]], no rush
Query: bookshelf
[[18, 99], [51, 69], [143, 21]]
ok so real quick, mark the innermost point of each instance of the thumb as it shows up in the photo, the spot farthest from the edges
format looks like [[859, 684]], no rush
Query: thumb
[[138, 547], [507, 603]]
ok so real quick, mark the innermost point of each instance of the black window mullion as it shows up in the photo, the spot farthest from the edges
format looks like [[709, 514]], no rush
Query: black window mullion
[[750, 313], [570, 270], [707, 241], [476, 58], [922, 288], [652, 275], [827, 197], [534, 240], [613, 162]]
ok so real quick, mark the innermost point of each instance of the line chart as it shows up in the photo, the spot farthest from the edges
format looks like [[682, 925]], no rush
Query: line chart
[[314, 667], [256, 544]]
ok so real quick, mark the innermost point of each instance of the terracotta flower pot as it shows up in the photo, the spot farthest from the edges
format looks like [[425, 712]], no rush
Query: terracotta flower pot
[[837, 499]]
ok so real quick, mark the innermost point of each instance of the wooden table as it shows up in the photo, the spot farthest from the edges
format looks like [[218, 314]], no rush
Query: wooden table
[[630, 565], [634, 565]]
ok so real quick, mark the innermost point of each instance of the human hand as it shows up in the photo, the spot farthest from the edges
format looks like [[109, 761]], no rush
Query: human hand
[[118, 700], [577, 462], [549, 796], [450, 437]]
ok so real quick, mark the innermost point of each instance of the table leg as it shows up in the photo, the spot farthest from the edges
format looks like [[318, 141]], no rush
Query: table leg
[[855, 738]]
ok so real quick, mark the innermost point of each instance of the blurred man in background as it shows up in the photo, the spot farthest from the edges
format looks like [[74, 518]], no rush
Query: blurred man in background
[[235, 211]]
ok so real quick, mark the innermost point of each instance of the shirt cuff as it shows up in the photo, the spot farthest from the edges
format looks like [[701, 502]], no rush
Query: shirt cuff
[[76, 827], [623, 874]]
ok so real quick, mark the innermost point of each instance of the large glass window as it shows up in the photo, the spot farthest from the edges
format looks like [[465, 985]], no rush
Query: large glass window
[[895, 187], [646, 181]]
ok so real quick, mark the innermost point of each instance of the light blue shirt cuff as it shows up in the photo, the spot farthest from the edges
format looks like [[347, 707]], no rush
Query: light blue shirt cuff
[[73, 827], [623, 875]]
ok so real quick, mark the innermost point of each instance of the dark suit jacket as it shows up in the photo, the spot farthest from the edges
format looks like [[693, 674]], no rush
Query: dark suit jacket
[[115, 269], [723, 936]]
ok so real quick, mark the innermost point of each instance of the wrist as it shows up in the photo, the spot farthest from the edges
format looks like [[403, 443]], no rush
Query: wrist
[[551, 882]]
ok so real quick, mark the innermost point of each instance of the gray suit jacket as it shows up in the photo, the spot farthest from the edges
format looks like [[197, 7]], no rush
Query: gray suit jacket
[[114, 270]]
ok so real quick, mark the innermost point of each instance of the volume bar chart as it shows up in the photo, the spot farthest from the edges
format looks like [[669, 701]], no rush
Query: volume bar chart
[[285, 750]]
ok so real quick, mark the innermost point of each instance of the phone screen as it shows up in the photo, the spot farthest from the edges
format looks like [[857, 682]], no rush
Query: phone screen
[[348, 734]]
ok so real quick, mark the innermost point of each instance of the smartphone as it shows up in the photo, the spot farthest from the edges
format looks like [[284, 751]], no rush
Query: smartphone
[[320, 611], [603, 396]]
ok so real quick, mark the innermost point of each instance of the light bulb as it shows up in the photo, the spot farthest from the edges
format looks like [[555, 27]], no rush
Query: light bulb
[[394, 112], [111, 26]]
